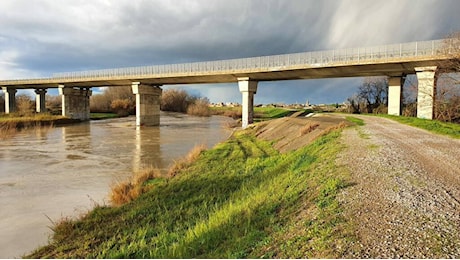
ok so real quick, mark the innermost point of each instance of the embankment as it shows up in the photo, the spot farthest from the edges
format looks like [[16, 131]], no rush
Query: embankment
[[242, 199]]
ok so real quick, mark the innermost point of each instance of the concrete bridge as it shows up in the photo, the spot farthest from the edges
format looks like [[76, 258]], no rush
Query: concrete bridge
[[395, 61]]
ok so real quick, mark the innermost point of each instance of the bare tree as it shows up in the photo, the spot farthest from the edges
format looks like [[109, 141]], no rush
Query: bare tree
[[447, 101], [24, 104], [356, 104], [374, 91]]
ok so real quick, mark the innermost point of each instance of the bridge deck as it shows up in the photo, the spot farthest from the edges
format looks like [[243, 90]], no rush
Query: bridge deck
[[390, 60]]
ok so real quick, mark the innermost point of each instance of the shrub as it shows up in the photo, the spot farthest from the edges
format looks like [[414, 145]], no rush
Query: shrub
[[102, 103], [183, 163], [123, 107], [176, 100], [199, 108], [309, 127], [126, 191], [24, 104]]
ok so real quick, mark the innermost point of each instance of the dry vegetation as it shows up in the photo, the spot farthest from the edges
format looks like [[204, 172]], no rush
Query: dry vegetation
[[310, 126], [183, 163], [125, 191], [176, 100]]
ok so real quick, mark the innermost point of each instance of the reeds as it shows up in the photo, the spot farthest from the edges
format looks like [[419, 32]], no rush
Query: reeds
[[184, 162], [308, 128], [11, 124], [125, 191]]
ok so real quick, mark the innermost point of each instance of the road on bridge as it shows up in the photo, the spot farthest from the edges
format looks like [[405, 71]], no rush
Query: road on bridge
[[405, 193]]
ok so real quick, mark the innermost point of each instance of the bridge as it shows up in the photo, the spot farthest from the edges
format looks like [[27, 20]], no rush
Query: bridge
[[395, 61]]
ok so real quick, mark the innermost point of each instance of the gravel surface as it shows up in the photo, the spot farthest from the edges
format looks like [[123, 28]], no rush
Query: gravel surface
[[404, 197]]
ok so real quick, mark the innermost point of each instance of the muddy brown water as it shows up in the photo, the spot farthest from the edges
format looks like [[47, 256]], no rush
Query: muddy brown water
[[64, 171]]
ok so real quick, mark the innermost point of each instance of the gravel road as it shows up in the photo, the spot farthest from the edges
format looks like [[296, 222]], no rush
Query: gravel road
[[404, 197]]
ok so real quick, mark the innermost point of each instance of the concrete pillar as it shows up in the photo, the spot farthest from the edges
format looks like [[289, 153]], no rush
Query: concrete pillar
[[394, 95], [147, 104], [75, 102], [426, 77], [247, 88], [10, 99], [40, 100]]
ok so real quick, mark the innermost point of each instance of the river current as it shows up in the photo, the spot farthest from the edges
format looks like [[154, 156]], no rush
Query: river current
[[51, 173]]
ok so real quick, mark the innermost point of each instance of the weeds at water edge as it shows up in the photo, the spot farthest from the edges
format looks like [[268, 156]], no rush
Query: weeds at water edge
[[125, 191]]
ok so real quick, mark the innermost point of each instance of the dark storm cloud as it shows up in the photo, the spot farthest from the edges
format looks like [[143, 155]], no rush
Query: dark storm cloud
[[40, 37]]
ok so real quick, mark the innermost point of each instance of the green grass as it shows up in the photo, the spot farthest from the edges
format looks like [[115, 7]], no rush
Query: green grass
[[355, 120], [260, 113], [100, 116], [14, 117], [270, 112], [241, 199], [449, 129]]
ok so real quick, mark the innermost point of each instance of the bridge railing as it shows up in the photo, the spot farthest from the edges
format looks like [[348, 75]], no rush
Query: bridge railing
[[274, 62]]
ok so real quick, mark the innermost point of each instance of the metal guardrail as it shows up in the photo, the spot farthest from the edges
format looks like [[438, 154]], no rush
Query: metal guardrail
[[365, 55], [308, 59]]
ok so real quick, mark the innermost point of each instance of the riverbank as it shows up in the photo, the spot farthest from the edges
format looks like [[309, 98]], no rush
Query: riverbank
[[10, 124], [241, 199], [22, 121], [50, 172]]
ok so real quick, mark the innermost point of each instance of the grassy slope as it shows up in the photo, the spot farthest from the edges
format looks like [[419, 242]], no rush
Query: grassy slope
[[240, 199], [449, 129]]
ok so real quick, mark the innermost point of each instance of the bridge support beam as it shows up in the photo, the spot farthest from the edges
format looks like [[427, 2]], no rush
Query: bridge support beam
[[426, 77], [147, 104], [394, 95], [10, 99], [75, 102], [40, 102], [247, 88]]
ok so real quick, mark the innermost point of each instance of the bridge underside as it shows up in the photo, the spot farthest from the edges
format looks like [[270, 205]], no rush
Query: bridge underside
[[76, 96], [76, 92], [266, 74]]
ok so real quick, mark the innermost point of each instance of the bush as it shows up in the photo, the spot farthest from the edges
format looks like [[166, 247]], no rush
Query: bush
[[128, 190], [199, 108], [123, 107], [175, 100], [102, 103], [24, 104]]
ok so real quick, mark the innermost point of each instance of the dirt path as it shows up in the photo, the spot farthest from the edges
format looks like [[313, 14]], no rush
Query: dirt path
[[405, 197]]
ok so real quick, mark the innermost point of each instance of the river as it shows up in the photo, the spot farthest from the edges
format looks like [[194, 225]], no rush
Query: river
[[50, 173]]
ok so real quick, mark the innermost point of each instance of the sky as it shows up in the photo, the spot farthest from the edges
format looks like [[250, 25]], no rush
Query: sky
[[42, 37]]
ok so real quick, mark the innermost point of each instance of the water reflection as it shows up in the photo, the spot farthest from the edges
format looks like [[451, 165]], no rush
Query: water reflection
[[62, 171], [147, 152], [77, 140]]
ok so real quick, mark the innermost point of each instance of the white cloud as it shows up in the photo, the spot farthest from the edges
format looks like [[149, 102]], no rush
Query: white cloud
[[358, 23], [10, 69], [40, 37]]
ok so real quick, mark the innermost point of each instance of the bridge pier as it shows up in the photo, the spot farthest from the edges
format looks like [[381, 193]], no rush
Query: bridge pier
[[75, 102], [247, 88], [40, 102], [147, 104], [394, 95], [426, 77], [10, 99]]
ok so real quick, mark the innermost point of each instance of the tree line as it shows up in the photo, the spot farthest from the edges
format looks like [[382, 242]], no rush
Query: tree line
[[121, 100]]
